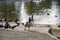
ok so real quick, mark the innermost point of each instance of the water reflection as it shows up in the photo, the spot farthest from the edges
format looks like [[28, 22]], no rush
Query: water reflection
[[51, 8], [24, 16], [45, 11]]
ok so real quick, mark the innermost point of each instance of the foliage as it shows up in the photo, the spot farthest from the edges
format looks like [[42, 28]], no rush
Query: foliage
[[1, 9], [30, 7], [44, 5], [8, 11], [33, 7]]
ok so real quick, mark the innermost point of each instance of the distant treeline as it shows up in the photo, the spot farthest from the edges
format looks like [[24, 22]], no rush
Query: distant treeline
[[8, 11]]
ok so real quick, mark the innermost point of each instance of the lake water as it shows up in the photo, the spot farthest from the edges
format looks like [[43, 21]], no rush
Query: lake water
[[53, 18]]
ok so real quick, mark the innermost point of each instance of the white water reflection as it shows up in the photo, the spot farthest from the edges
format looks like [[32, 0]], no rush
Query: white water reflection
[[51, 19], [42, 19], [24, 16]]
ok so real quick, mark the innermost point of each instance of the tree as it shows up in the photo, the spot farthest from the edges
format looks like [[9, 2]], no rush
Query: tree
[[44, 5], [8, 11], [33, 7], [11, 13], [1, 9], [30, 7]]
